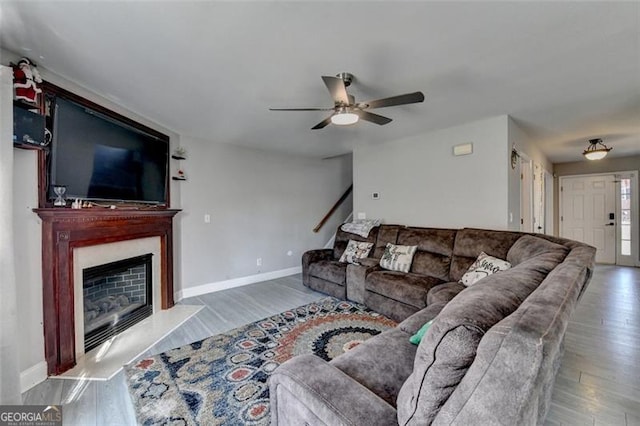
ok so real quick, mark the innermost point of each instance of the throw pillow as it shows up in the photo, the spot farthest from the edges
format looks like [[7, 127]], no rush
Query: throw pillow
[[397, 258], [355, 250], [416, 338], [484, 266]]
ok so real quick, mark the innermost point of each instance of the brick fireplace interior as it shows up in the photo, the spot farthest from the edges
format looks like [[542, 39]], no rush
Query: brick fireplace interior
[[115, 296]]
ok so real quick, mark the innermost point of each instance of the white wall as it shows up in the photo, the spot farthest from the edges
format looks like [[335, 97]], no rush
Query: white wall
[[422, 183], [9, 357], [262, 204], [28, 251]]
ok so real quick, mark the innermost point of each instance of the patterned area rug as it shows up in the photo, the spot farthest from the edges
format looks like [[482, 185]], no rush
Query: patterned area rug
[[222, 380]]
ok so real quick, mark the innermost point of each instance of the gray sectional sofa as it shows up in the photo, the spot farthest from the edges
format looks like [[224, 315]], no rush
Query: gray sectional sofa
[[490, 356]]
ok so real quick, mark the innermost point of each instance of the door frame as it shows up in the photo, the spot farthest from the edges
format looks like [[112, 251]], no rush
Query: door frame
[[548, 202], [635, 253], [526, 194], [634, 259]]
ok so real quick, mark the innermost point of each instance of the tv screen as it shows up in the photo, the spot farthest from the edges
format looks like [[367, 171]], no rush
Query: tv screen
[[99, 158]]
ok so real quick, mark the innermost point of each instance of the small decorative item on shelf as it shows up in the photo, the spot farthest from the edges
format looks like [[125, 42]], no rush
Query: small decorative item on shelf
[[25, 81], [179, 153], [60, 190], [180, 175], [76, 204]]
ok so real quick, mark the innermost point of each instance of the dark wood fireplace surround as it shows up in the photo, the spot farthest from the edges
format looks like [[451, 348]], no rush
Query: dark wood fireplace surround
[[64, 229]]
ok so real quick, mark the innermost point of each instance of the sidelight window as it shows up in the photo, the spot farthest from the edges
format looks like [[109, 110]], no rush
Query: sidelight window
[[625, 217]]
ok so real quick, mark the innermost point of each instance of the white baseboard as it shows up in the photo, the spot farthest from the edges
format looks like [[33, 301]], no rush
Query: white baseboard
[[235, 282], [32, 376]]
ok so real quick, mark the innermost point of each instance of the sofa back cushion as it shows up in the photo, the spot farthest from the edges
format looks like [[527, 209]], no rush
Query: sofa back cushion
[[342, 239], [449, 347], [469, 243], [386, 234], [435, 247], [529, 246]]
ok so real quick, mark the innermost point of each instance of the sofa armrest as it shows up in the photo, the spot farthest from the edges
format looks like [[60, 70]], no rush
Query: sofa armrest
[[308, 390], [356, 274], [310, 257]]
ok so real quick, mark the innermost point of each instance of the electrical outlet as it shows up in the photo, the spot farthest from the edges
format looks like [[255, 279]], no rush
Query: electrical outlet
[[207, 218], [289, 253], [362, 215], [259, 261]]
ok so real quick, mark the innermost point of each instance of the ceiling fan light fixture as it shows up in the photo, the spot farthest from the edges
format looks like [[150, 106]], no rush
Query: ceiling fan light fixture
[[344, 118], [596, 150]]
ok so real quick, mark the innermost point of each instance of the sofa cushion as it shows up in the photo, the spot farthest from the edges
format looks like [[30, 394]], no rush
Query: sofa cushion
[[408, 288], [447, 351], [529, 246], [386, 234], [330, 270], [381, 364], [355, 251], [443, 293], [484, 266], [435, 265], [471, 242], [397, 311], [435, 246], [397, 257], [342, 239]]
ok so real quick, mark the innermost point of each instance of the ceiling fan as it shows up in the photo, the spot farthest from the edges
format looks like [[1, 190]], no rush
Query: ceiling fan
[[345, 108]]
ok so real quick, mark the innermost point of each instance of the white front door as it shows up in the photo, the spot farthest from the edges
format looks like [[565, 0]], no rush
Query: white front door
[[587, 213]]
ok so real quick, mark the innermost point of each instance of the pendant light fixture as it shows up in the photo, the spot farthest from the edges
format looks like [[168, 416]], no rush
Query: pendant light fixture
[[596, 150]]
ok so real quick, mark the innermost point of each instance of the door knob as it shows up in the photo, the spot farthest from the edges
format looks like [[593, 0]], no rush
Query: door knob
[[610, 224]]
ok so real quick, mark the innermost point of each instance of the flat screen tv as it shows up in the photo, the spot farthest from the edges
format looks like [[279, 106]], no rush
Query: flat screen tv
[[100, 158]]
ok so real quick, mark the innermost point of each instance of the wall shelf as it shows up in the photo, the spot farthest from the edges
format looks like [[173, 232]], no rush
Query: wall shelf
[[179, 173], [26, 105], [31, 146]]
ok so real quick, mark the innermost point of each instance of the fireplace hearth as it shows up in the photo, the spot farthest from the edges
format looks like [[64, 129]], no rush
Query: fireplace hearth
[[116, 296]]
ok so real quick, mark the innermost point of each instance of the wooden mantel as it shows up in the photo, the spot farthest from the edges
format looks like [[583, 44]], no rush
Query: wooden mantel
[[64, 229]]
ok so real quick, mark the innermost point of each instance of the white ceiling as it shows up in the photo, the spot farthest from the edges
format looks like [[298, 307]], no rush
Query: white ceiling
[[566, 72]]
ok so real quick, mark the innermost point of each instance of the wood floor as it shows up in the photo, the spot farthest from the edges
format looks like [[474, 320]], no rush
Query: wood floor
[[599, 378], [598, 382]]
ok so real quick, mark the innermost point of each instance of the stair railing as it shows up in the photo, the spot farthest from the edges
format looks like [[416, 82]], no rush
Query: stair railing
[[333, 209]]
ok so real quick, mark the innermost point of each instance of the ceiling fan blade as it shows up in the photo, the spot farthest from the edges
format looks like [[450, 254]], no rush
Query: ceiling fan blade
[[324, 123], [300, 109], [408, 98], [337, 89], [374, 118]]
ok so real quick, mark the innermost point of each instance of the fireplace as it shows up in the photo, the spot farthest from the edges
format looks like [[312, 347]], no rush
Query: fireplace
[[116, 296], [64, 232]]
